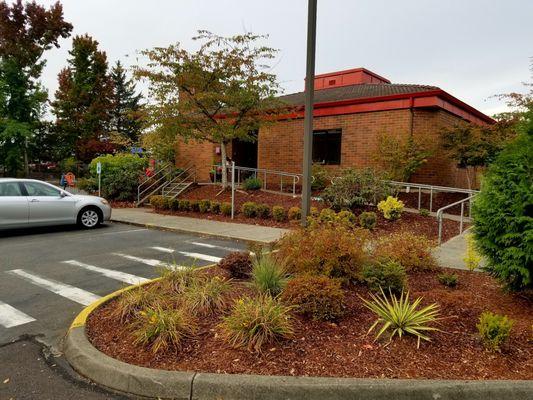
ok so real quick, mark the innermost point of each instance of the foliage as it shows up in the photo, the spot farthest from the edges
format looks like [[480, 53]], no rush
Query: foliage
[[333, 251], [318, 297], [294, 213], [391, 208], [368, 220], [225, 209], [249, 209], [346, 218], [254, 322], [130, 302], [389, 276], [184, 205], [313, 212], [263, 211], [120, 175], [206, 295], [215, 207], [401, 157], [449, 280], [356, 188], [239, 264], [320, 177], [413, 252], [204, 206], [279, 213], [494, 330], [424, 212], [174, 204], [472, 258], [329, 217], [268, 275], [252, 184], [163, 328], [194, 205], [401, 316], [177, 278], [503, 213], [158, 202]]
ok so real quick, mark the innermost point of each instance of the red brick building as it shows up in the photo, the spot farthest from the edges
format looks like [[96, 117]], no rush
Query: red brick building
[[352, 108]]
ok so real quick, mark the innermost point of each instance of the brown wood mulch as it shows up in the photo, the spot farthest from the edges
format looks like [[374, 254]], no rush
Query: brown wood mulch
[[343, 349]]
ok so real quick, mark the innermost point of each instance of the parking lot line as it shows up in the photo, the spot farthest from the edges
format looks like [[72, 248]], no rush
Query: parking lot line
[[213, 246], [163, 249], [62, 289], [148, 261], [10, 316], [117, 275], [200, 256]]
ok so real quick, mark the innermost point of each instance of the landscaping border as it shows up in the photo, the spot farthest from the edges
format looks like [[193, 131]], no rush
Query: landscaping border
[[190, 385]]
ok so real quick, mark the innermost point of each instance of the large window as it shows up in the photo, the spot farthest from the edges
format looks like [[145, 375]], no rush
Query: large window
[[39, 189], [327, 146], [10, 189]]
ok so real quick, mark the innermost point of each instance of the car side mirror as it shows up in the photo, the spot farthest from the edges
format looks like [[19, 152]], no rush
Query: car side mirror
[[63, 194]]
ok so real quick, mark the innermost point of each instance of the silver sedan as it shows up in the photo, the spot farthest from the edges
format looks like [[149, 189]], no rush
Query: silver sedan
[[30, 203]]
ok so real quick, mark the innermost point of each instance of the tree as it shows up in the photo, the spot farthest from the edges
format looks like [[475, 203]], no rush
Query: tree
[[26, 32], [126, 118], [222, 91], [84, 100]]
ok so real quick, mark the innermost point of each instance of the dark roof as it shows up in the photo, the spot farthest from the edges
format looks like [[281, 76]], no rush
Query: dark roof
[[356, 92]]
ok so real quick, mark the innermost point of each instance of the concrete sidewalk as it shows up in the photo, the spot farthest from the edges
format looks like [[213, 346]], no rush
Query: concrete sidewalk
[[452, 253], [228, 230]]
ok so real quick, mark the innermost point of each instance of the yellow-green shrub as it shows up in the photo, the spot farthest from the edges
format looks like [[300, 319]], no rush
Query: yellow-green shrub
[[249, 209], [472, 258], [391, 208], [294, 213], [494, 330], [279, 213]]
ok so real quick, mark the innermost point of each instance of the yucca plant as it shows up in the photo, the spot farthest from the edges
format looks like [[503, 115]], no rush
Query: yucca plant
[[268, 275], [402, 317]]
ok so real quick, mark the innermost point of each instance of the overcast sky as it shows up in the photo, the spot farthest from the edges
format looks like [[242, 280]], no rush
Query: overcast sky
[[471, 48]]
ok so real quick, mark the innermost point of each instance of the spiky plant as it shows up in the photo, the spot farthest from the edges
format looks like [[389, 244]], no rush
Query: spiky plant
[[207, 295], [268, 275]]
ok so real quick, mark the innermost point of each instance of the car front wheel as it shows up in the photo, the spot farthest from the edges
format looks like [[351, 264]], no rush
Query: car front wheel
[[89, 218]]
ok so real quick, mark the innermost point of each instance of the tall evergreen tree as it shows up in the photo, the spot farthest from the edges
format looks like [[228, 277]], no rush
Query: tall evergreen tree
[[84, 100], [26, 32], [125, 115]]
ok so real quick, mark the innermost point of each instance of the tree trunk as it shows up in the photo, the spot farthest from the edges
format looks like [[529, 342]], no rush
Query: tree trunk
[[223, 164]]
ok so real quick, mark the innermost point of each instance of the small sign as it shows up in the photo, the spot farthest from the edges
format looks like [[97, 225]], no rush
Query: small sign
[[99, 168], [136, 150]]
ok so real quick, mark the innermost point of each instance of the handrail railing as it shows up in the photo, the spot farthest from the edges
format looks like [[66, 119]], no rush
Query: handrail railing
[[440, 213], [164, 172], [184, 174]]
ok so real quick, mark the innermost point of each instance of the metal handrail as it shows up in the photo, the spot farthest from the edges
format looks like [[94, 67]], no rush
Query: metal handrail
[[440, 213], [156, 182], [186, 170]]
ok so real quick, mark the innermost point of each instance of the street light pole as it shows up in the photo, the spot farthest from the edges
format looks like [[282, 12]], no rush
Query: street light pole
[[308, 117]]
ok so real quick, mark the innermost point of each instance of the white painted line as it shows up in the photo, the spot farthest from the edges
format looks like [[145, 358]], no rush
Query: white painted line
[[163, 249], [200, 256], [70, 292], [212, 246], [109, 273], [124, 231], [147, 261], [10, 316]]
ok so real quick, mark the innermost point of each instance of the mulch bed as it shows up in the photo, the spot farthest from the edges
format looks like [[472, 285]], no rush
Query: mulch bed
[[343, 349], [440, 199]]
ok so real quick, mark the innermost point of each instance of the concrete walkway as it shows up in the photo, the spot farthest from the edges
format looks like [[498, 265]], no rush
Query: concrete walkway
[[451, 253], [229, 230]]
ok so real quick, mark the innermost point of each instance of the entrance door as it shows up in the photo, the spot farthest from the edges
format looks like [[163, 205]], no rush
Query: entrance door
[[244, 153]]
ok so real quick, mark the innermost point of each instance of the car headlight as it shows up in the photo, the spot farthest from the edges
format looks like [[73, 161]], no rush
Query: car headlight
[[104, 201]]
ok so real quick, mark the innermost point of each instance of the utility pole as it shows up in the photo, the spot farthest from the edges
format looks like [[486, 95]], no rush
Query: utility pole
[[308, 117]]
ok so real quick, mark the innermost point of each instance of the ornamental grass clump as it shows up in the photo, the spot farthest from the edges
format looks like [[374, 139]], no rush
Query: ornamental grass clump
[[130, 302], [494, 330], [176, 278], [400, 317], [256, 321], [207, 295], [268, 275]]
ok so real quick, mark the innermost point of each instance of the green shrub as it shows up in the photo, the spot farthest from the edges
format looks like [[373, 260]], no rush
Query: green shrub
[[268, 275], [254, 322], [204, 206], [329, 217], [368, 220], [206, 295], [174, 204], [503, 213], [249, 209], [194, 205], [279, 214], [215, 207], [387, 275], [356, 188], [320, 177], [413, 252], [252, 184], [89, 185], [346, 218], [294, 213], [391, 208], [239, 264], [318, 297], [424, 212], [130, 302], [184, 205], [159, 202], [314, 212], [225, 209], [494, 330], [449, 280], [263, 211]]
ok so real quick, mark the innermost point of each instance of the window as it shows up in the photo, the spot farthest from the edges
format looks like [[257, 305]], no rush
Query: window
[[327, 146], [39, 189], [10, 189]]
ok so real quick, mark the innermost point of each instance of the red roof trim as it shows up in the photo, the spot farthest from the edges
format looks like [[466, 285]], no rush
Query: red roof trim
[[347, 71]]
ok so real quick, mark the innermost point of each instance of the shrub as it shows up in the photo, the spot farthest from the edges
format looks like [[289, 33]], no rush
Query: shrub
[[207, 295], [263, 211], [215, 207], [327, 215], [472, 258], [346, 218], [194, 205], [163, 328], [254, 322], [412, 251], [158, 202], [294, 213], [239, 264], [333, 251], [314, 212], [268, 275], [388, 276], [318, 297], [424, 212], [177, 279], [503, 214], [449, 280], [320, 177], [356, 188], [204, 206], [249, 209], [252, 184], [184, 205], [225, 209], [130, 302], [391, 208], [494, 330], [402, 317], [279, 214], [368, 220], [174, 204]]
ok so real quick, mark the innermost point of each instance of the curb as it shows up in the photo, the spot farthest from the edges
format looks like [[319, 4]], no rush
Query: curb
[[180, 385]]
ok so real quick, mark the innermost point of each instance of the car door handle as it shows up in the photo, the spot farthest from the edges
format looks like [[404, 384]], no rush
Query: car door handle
[[34, 200]]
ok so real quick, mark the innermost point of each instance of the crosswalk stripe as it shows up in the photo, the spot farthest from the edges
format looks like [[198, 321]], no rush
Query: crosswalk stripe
[[163, 249], [70, 292], [147, 261], [212, 246], [200, 256], [109, 273], [10, 316]]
